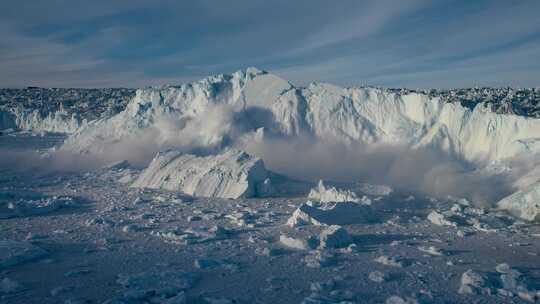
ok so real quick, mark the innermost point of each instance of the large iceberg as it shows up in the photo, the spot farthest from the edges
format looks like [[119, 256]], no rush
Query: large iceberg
[[361, 115], [232, 111], [232, 174]]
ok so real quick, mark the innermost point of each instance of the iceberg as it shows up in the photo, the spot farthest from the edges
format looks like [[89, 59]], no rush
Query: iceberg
[[232, 174]]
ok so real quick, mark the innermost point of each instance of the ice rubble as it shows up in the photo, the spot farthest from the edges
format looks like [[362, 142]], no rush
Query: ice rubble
[[33, 207], [524, 204], [509, 283], [232, 174]]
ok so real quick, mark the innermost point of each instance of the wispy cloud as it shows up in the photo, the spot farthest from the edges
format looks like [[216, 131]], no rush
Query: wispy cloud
[[415, 43]]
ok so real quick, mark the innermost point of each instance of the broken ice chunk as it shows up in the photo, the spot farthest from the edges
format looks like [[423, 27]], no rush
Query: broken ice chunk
[[231, 174], [432, 250], [439, 219], [473, 283], [332, 195], [345, 213]]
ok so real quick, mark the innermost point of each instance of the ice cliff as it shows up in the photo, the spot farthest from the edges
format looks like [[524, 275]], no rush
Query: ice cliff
[[362, 115]]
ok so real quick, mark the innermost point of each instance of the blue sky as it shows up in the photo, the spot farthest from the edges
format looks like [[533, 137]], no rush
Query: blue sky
[[390, 43]]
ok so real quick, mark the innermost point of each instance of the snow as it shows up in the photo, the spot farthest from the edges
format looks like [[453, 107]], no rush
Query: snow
[[232, 174], [524, 204]]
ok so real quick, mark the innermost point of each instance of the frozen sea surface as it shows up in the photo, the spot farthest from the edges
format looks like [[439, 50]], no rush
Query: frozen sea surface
[[116, 244]]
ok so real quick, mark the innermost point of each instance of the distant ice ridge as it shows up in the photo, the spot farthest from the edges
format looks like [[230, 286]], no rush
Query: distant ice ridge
[[58, 121], [232, 174]]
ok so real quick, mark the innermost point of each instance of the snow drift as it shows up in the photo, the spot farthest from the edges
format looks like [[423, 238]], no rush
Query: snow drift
[[232, 174]]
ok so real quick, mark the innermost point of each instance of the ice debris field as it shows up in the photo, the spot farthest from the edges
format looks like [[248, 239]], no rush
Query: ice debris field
[[243, 188]]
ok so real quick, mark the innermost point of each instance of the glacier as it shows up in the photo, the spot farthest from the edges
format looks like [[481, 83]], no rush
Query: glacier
[[362, 115], [251, 106]]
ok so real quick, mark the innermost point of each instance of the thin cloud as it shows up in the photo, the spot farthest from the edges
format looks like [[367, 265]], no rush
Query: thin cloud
[[137, 43]]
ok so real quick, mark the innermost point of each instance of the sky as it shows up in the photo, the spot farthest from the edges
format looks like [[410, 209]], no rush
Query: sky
[[388, 43]]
